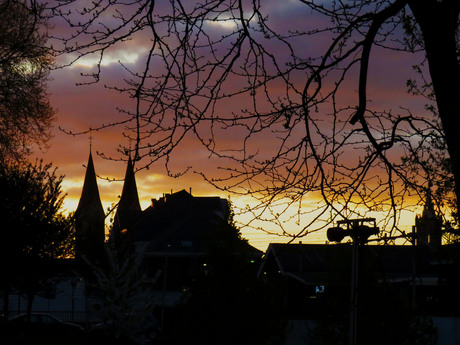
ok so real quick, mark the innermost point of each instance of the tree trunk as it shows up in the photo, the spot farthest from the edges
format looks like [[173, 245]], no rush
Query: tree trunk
[[438, 21]]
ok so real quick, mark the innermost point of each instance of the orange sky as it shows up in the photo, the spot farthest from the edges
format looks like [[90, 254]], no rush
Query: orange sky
[[83, 107]]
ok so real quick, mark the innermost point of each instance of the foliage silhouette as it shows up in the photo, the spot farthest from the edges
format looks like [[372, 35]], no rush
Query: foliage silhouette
[[34, 231], [25, 62]]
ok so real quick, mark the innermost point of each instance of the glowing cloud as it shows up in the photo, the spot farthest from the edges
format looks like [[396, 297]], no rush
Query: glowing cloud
[[123, 56]]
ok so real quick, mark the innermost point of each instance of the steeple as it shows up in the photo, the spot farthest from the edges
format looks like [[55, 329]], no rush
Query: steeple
[[428, 209], [429, 225], [89, 216], [129, 197], [129, 208], [90, 192]]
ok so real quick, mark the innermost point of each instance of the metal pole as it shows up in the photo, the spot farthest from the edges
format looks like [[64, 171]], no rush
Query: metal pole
[[354, 293], [414, 268], [359, 234], [73, 302], [165, 277]]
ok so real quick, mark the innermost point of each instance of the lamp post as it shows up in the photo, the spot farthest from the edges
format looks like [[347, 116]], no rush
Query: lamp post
[[359, 234], [73, 283], [165, 277]]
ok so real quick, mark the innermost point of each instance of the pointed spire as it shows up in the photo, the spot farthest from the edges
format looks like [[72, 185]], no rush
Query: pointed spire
[[129, 196], [429, 225], [428, 209], [90, 197], [89, 216], [129, 207]]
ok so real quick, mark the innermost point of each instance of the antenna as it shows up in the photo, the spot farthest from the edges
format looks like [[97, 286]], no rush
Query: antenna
[[90, 141]]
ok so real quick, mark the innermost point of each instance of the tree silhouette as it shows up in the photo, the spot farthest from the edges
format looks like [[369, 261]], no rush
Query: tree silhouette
[[124, 294], [213, 69], [33, 230], [25, 61]]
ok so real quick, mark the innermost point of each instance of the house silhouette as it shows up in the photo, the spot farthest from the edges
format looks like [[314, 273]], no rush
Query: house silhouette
[[178, 228]]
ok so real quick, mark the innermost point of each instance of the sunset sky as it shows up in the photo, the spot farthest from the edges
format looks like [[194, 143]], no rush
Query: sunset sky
[[83, 107]]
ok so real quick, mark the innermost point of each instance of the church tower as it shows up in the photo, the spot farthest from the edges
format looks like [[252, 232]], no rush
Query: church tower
[[129, 208], [429, 226], [89, 217]]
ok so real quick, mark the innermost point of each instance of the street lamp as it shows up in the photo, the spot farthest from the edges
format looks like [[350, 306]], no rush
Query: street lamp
[[359, 233]]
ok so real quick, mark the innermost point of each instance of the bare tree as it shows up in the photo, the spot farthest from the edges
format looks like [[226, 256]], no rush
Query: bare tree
[[125, 294], [25, 61], [257, 80]]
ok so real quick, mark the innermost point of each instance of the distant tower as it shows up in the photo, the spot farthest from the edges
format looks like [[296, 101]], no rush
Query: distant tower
[[428, 226], [129, 208], [89, 217]]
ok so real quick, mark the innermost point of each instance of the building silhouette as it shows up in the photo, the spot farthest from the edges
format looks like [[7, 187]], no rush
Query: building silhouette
[[177, 232], [176, 224], [129, 208], [428, 226], [89, 217]]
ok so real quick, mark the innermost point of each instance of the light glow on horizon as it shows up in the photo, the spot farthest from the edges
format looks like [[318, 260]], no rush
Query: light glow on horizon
[[110, 192]]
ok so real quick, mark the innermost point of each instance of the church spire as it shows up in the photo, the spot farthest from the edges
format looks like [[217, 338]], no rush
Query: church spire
[[90, 192], [429, 225], [428, 209], [129, 197], [89, 216], [129, 207]]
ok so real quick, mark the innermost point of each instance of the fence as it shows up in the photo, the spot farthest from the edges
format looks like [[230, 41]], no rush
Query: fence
[[80, 317]]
